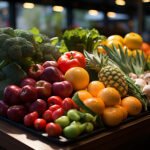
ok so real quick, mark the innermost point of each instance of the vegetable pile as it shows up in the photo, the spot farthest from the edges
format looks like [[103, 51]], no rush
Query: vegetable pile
[[65, 86]]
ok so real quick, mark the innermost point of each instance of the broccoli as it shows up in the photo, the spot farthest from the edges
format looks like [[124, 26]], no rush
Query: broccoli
[[8, 30], [17, 48]]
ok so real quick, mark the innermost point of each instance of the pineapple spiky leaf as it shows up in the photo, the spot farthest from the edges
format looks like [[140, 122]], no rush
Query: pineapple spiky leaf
[[138, 63], [118, 57]]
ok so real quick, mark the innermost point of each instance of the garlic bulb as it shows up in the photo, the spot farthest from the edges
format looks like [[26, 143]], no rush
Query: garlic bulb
[[140, 82]]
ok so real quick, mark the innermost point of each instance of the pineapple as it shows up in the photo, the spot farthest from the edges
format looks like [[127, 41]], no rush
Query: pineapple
[[109, 74]]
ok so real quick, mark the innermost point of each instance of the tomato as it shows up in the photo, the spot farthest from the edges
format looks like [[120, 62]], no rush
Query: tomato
[[39, 124], [57, 113], [53, 129], [54, 107], [71, 59], [54, 100], [47, 115], [30, 118]]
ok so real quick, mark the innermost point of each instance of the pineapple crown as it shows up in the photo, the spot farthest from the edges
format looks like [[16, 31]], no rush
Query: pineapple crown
[[95, 61], [127, 63]]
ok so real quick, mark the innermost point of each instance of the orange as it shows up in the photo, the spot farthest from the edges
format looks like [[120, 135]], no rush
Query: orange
[[95, 104], [124, 110], [129, 52], [116, 38], [112, 116], [132, 105], [116, 43], [84, 94], [78, 76], [133, 40], [100, 49], [94, 87], [110, 96], [134, 52]]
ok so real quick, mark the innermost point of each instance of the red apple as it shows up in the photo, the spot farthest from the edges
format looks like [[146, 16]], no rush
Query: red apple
[[28, 94], [43, 88], [39, 105], [50, 63], [3, 108], [62, 89], [35, 71], [47, 115], [16, 113], [12, 95], [30, 118], [52, 74], [54, 100], [39, 124], [28, 81]]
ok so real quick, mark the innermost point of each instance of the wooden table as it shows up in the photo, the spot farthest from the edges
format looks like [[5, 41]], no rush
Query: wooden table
[[123, 137]]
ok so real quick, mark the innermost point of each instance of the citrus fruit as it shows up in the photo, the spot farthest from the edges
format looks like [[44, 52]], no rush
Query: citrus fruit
[[132, 105], [124, 110], [115, 43], [134, 52], [78, 76], [116, 38], [112, 116], [94, 87], [95, 104], [110, 96], [133, 40], [83, 94]]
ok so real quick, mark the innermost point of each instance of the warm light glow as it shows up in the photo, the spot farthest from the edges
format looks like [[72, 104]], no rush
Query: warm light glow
[[93, 12], [120, 2], [58, 8], [111, 14], [28, 5], [146, 1]]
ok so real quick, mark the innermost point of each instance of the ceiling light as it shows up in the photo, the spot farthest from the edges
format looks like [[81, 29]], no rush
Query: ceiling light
[[120, 2], [28, 5], [93, 12], [111, 14], [58, 8], [146, 1]]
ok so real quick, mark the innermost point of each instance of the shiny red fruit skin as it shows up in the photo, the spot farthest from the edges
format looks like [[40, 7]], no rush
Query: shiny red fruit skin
[[53, 129], [39, 124]]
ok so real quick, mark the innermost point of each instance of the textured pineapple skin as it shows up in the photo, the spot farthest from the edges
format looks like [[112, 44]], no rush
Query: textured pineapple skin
[[112, 77]]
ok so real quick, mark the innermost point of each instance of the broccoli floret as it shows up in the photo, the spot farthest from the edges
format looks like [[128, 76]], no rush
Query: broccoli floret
[[49, 52], [25, 34], [18, 48], [8, 31]]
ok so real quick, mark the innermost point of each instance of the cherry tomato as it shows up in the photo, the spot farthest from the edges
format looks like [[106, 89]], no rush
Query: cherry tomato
[[53, 129], [47, 115], [71, 59], [54, 107], [67, 104], [30, 118], [39, 124], [54, 100], [57, 113]]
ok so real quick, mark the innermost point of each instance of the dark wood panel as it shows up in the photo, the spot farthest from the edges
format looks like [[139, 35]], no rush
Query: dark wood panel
[[126, 136]]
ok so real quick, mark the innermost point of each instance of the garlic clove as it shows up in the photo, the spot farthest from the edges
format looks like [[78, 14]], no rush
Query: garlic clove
[[146, 90], [140, 82]]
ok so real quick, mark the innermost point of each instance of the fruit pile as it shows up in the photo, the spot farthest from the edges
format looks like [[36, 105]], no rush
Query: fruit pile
[[76, 93]]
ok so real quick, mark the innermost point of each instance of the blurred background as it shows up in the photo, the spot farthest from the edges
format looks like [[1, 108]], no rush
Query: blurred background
[[52, 17]]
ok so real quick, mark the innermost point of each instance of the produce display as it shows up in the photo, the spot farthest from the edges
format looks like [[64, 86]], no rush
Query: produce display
[[72, 85]]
